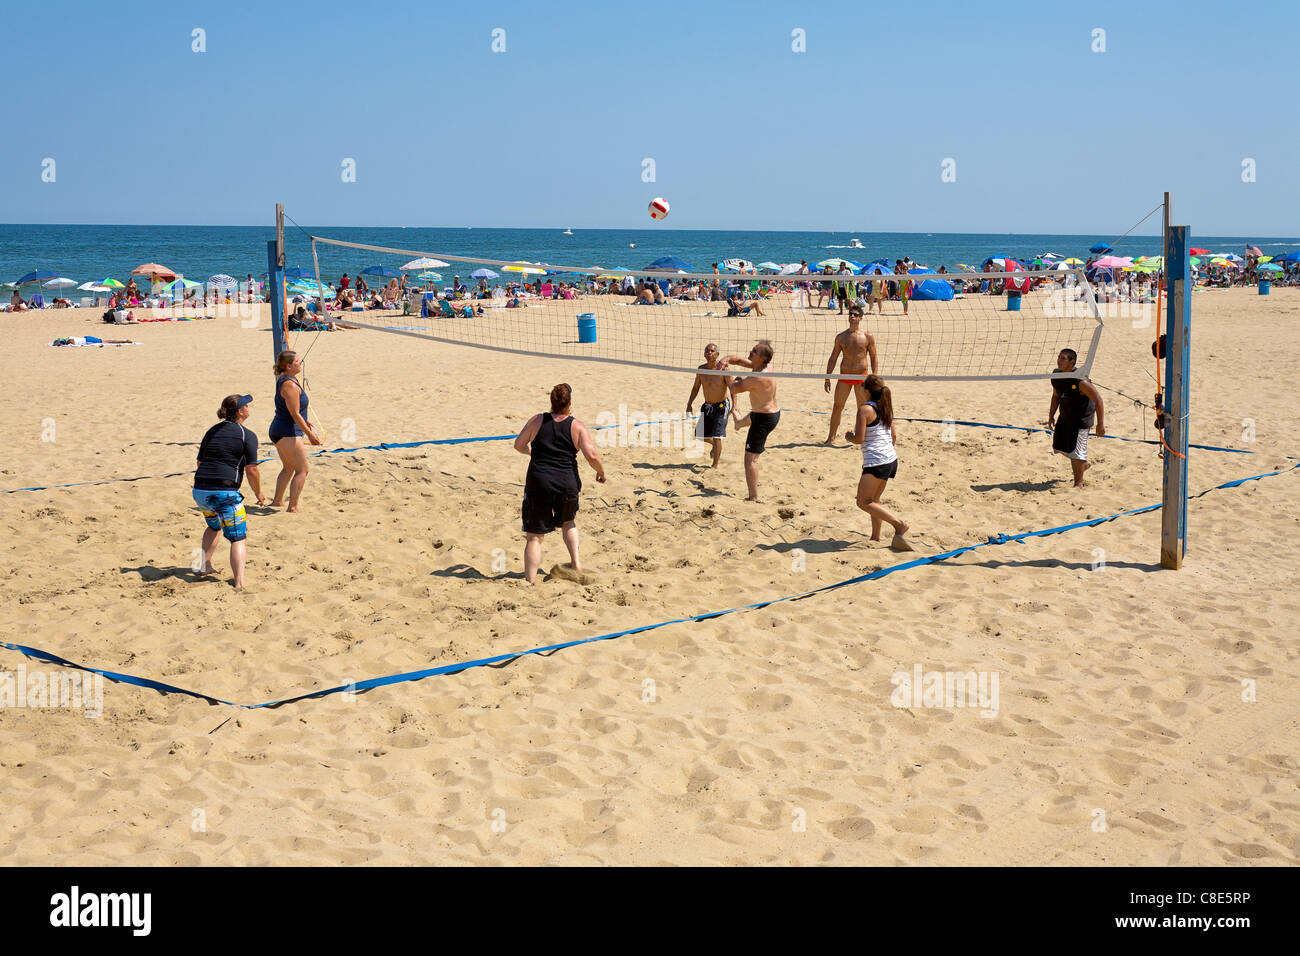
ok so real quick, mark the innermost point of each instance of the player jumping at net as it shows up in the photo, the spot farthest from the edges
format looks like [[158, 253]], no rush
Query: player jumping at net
[[853, 348], [764, 410], [1079, 402], [712, 426], [876, 432]]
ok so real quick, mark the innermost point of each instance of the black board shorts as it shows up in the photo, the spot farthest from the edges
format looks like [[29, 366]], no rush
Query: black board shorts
[[760, 426], [884, 472], [545, 511]]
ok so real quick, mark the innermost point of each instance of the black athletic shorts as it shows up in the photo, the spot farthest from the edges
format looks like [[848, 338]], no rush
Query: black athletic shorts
[[760, 426], [546, 511], [883, 472]]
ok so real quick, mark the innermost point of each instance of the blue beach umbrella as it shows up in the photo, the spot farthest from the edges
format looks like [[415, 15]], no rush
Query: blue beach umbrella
[[483, 274], [40, 275], [669, 264], [383, 271], [1101, 247]]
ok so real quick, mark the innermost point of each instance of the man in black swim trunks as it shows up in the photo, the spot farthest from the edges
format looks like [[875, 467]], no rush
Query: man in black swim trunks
[[715, 411], [764, 409], [1078, 400]]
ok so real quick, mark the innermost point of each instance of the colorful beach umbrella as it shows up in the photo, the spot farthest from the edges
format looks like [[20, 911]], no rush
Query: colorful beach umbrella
[[111, 283], [93, 287], [1254, 251], [524, 268], [430, 276]]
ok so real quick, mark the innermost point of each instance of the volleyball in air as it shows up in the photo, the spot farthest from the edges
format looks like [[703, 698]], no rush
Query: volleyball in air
[[658, 208]]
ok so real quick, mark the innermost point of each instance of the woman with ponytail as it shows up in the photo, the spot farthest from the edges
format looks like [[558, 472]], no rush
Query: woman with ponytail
[[552, 441], [876, 433], [228, 452]]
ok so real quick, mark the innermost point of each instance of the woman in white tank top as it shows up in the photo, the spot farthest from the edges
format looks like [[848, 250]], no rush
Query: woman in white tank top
[[876, 433]]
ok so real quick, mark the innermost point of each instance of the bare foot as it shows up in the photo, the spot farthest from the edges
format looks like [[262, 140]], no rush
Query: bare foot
[[829, 441], [276, 504], [900, 543], [755, 500], [293, 510]]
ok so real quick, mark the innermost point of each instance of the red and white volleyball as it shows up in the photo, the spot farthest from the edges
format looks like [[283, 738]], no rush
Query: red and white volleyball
[[658, 208]]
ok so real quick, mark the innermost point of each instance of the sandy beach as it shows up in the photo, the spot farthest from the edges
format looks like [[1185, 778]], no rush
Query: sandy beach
[[767, 736]]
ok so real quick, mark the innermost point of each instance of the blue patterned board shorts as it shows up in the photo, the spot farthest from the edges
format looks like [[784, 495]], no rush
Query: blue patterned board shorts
[[223, 511]]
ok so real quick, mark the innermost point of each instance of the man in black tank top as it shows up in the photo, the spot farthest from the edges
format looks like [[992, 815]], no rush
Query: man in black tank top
[[1079, 403], [552, 441]]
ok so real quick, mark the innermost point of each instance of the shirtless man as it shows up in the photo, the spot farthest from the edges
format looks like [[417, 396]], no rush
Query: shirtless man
[[764, 410], [853, 348], [712, 426]]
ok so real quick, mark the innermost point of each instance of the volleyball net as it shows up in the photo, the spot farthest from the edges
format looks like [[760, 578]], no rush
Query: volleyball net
[[927, 326]]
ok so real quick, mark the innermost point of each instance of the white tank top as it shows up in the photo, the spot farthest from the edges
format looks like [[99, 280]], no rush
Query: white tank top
[[877, 443]]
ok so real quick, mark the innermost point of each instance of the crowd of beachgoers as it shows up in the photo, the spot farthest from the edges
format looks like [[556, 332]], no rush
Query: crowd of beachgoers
[[733, 281]]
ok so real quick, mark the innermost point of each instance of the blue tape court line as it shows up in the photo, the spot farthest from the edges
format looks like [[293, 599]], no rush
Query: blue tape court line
[[372, 683], [387, 446]]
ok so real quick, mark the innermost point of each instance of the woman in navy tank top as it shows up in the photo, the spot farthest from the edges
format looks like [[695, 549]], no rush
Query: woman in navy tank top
[[552, 441], [288, 428]]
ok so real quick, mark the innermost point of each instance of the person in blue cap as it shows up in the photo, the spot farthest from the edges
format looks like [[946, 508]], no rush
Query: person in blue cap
[[227, 452]]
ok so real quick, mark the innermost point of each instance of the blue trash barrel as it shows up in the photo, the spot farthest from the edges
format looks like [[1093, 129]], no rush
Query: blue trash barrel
[[587, 327], [1264, 286], [1013, 302]]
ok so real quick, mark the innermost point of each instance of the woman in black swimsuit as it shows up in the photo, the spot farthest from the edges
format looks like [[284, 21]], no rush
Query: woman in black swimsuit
[[552, 441]]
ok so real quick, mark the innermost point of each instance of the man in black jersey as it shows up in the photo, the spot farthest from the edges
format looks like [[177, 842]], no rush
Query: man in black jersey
[[1079, 402]]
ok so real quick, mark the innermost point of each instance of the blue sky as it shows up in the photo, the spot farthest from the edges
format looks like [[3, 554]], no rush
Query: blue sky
[[1047, 136]]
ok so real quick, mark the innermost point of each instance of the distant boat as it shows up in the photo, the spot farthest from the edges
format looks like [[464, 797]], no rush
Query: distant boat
[[855, 244], [631, 245], [568, 232]]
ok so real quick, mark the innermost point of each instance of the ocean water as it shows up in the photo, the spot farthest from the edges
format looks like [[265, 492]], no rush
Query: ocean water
[[95, 252]]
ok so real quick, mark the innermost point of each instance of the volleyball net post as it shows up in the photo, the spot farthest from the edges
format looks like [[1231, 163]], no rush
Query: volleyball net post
[[275, 281], [1178, 322]]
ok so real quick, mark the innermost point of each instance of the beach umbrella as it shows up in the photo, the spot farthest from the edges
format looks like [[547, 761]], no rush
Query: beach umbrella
[[1269, 267], [1073, 262], [111, 283], [483, 274], [1265, 258], [669, 264], [154, 271], [1048, 255], [1004, 264], [1199, 252], [223, 281], [773, 266], [1289, 257], [834, 263], [876, 269], [182, 283], [790, 268], [1233, 257], [93, 287], [738, 265], [381, 271], [430, 276], [1254, 251], [424, 262], [524, 268], [1100, 248], [40, 275], [1113, 262], [59, 282]]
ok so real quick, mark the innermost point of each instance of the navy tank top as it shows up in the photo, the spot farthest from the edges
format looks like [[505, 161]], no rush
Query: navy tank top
[[283, 424], [553, 463]]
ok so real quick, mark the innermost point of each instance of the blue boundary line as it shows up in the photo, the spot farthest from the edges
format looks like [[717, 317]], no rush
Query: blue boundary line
[[386, 446], [408, 676]]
